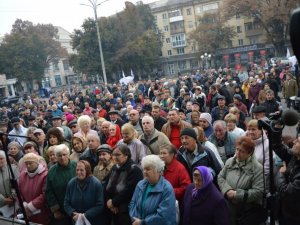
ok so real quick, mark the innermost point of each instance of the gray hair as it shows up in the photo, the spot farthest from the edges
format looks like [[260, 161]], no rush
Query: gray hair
[[220, 122], [84, 118], [2, 154], [148, 118], [153, 161], [95, 136], [62, 148]]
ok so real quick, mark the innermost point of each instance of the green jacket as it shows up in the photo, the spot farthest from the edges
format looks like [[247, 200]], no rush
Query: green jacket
[[247, 176], [58, 178]]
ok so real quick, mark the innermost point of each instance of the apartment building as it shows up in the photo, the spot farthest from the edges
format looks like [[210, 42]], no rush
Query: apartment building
[[177, 18]]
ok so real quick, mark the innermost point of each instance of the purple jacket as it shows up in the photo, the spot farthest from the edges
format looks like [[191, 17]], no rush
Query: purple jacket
[[254, 92], [209, 208]]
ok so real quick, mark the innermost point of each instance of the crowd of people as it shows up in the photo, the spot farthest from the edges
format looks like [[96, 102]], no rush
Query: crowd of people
[[185, 151]]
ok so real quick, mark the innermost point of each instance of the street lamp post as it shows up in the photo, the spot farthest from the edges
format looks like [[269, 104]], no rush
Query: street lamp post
[[206, 57], [94, 5]]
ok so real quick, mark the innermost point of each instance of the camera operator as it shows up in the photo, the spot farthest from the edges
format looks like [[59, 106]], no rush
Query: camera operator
[[288, 180]]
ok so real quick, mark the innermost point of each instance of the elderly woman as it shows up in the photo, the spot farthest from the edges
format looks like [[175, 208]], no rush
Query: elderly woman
[[203, 203], [32, 184], [58, 177], [15, 150], [137, 148], [5, 176], [241, 182], [195, 117], [79, 145], [84, 195], [123, 178], [174, 172], [114, 135], [84, 123], [153, 201], [231, 121], [261, 141], [54, 137]]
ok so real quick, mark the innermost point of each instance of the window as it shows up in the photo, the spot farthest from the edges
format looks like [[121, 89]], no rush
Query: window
[[248, 26], [166, 28], [168, 40], [190, 24], [188, 11], [241, 42], [55, 67], [169, 52], [174, 13], [164, 16], [180, 51], [66, 65], [199, 9], [182, 65], [193, 48], [239, 29], [171, 69], [178, 40], [58, 80], [211, 6], [253, 40]]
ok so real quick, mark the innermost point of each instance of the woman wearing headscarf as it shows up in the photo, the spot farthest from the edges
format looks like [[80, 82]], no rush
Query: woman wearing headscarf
[[6, 197], [84, 195], [15, 150], [203, 203], [114, 135], [78, 145], [32, 184]]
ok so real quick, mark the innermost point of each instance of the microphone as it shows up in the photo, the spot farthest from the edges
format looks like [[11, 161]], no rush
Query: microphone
[[295, 33], [290, 117]]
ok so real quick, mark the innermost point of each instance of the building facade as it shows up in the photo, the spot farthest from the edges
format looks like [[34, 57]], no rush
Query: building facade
[[175, 19]]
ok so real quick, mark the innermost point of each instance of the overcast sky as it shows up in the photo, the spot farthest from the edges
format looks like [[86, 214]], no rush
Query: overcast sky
[[68, 14]]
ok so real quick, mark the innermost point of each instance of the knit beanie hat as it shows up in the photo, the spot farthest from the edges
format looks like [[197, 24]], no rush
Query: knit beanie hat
[[206, 116], [189, 132], [31, 157], [69, 117]]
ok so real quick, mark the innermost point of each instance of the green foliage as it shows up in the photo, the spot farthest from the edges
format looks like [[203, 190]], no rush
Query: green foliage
[[28, 49], [129, 41]]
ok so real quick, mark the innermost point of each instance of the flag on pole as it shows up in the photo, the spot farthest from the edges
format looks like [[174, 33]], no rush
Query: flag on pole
[[132, 73], [123, 73]]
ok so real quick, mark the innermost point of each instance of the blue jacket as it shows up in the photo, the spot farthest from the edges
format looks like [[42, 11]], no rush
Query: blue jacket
[[87, 200], [159, 207]]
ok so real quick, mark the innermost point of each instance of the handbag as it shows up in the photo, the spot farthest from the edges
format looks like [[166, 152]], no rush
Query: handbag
[[254, 215]]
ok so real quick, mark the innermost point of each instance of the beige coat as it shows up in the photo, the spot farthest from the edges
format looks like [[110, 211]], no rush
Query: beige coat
[[289, 88]]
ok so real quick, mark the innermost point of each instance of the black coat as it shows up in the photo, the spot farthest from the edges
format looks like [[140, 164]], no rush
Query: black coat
[[158, 124]]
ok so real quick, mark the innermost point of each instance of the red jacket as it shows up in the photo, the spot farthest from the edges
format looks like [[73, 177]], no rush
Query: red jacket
[[177, 175]]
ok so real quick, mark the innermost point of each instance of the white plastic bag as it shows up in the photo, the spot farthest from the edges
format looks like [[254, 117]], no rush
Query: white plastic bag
[[82, 220]]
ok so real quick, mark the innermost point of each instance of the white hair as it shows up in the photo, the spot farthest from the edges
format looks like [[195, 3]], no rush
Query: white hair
[[62, 148], [148, 118], [153, 161], [83, 119]]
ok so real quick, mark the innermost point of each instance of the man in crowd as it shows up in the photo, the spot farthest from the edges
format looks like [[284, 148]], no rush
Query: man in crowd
[[114, 117], [104, 132], [18, 129], [158, 120], [135, 121], [219, 112]]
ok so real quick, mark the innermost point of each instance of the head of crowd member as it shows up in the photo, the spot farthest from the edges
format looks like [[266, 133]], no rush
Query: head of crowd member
[[100, 122], [205, 120], [62, 153], [30, 146], [237, 98], [173, 116], [152, 167], [15, 121], [31, 161], [231, 121], [196, 106], [93, 142], [245, 147], [195, 117], [31, 121], [200, 134], [73, 125], [213, 89], [15, 150], [134, 117], [105, 155], [121, 154], [188, 139], [155, 111], [128, 133], [220, 129], [167, 153], [269, 95], [78, 144], [259, 112], [56, 121], [3, 162], [198, 90], [54, 107], [83, 170], [27, 112], [235, 111], [188, 106], [252, 130], [54, 136], [105, 128], [187, 97], [202, 177], [86, 105], [113, 115], [147, 100], [51, 154], [182, 114], [221, 101], [148, 125], [40, 136], [84, 123]]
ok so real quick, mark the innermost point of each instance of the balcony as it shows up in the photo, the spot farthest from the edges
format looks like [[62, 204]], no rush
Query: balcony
[[177, 30], [176, 19], [253, 32]]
